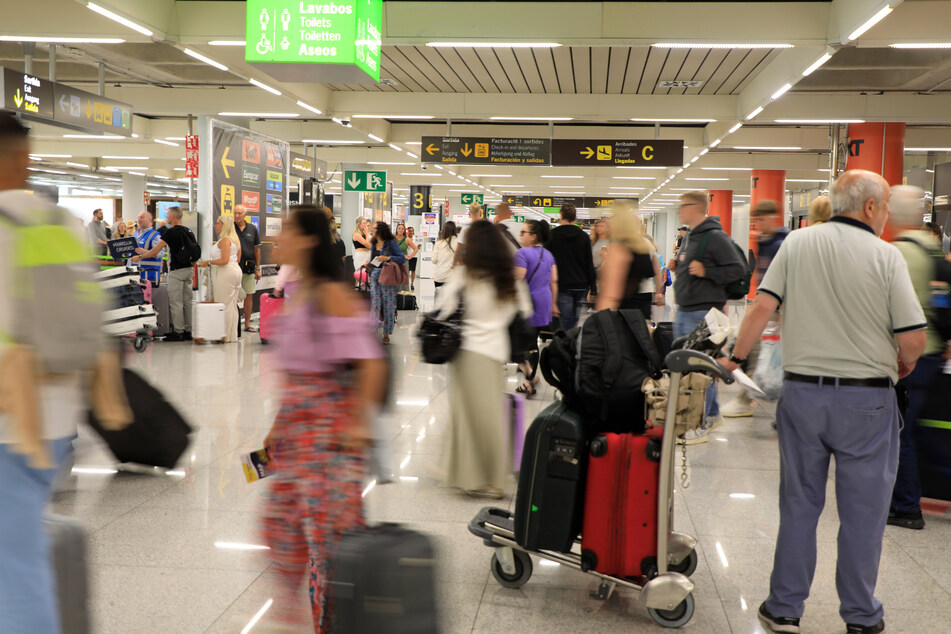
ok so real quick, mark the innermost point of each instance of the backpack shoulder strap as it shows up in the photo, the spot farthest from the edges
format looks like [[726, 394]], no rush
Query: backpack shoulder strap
[[704, 241], [603, 322], [638, 325]]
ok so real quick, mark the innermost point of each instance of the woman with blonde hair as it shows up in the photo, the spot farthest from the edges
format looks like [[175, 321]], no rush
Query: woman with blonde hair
[[630, 275], [600, 239], [226, 274], [820, 211], [361, 243]]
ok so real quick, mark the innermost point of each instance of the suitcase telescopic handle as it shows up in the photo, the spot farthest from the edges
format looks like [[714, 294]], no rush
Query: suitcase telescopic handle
[[692, 361]]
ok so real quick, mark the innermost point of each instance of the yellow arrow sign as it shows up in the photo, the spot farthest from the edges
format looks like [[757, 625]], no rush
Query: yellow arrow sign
[[88, 109], [466, 150], [587, 152], [510, 200], [432, 149], [18, 98], [226, 162], [537, 201]]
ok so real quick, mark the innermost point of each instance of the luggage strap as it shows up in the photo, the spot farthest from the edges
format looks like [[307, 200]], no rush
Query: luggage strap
[[643, 337]]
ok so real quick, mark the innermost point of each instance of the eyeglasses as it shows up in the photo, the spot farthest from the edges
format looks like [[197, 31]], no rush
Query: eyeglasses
[[686, 205], [523, 232]]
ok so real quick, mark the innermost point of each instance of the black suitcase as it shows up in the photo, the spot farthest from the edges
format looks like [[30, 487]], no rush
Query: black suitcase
[[405, 301], [127, 295], [68, 555], [664, 338], [933, 440], [160, 304], [382, 579], [158, 435], [549, 503]]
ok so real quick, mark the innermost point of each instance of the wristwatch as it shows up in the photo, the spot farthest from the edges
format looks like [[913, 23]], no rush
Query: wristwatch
[[736, 359]]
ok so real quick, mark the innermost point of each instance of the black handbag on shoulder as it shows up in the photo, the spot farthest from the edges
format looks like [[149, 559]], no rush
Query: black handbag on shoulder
[[440, 339]]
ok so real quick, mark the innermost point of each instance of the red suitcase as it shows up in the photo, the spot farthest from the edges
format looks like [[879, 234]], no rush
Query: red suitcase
[[270, 307], [619, 534]]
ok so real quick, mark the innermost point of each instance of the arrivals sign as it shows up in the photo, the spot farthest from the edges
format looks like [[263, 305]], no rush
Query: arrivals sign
[[58, 104], [316, 32], [617, 152], [485, 150]]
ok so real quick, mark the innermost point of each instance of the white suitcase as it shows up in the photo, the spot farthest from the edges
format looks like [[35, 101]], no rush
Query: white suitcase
[[118, 276], [208, 322], [130, 320]]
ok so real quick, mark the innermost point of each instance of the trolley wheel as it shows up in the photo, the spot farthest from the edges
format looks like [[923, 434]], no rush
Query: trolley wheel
[[676, 617], [687, 566], [140, 344], [523, 570]]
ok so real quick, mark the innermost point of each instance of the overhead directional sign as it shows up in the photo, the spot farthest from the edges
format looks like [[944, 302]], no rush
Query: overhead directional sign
[[337, 32], [548, 200], [485, 150], [614, 152], [360, 181], [467, 199], [57, 104]]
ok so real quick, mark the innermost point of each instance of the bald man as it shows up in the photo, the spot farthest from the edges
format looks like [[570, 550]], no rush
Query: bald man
[[148, 238], [851, 326], [503, 216]]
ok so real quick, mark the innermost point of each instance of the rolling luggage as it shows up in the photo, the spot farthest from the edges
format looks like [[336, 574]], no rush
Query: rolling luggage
[[619, 533], [126, 295], [157, 436], [162, 312], [933, 439], [208, 322], [549, 501], [68, 554], [405, 301], [118, 276], [382, 579], [270, 307], [127, 321]]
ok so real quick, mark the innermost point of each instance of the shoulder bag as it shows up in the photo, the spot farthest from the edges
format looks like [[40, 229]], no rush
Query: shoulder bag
[[440, 339], [394, 274]]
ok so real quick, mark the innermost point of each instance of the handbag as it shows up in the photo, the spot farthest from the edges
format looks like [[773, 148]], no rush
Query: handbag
[[440, 339], [394, 274]]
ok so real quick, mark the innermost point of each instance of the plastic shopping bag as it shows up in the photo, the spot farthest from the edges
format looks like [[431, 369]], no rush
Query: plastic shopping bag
[[769, 369]]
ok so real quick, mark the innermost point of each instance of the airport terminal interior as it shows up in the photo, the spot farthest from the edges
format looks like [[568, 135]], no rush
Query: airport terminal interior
[[407, 112]]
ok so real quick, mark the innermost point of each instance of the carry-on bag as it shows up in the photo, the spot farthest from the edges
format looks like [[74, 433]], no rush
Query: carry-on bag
[[382, 579], [163, 314], [619, 533], [68, 554], [157, 436], [933, 439], [549, 500], [406, 301], [128, 321], [126, 295], [208, 322], [118, 276], [270, 307]]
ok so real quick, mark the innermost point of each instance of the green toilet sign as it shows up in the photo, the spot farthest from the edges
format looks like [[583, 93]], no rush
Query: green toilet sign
[[357, 181], [341, 32], [472, 198]]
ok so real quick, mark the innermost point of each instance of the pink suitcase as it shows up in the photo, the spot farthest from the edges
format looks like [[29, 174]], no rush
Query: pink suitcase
[[270, 307]]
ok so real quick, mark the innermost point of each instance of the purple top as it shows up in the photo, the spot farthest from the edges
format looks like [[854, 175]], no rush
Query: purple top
[[538, 280], [306, 341]]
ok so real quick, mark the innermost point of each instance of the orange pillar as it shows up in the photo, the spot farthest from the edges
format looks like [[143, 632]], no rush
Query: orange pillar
[[721, 205], [878, 147], [765, 185]]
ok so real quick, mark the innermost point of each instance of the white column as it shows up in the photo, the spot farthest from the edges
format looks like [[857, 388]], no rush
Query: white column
[[133, 190]]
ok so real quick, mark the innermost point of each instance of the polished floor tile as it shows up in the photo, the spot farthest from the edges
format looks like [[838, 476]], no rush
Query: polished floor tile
[[176, 552]]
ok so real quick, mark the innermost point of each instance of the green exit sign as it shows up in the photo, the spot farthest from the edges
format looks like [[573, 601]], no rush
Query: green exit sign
[[359, 181], [472, 198], [323, 32]]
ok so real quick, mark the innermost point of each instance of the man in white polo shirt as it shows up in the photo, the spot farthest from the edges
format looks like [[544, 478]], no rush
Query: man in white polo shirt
[[851, 326]]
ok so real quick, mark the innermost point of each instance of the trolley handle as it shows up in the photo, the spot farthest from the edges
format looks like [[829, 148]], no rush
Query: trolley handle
[[692, 361]]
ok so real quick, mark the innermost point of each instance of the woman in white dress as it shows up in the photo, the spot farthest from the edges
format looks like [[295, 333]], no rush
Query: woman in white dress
[[226, 274], [361, 243]]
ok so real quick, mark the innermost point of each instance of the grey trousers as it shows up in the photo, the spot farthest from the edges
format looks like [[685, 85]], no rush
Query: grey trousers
[[180, 299], [859, 426]]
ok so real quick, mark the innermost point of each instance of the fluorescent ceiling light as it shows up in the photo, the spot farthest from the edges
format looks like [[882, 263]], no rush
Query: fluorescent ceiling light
[[816, 64], [420, 174], [508, 186], [872, 21], [735, 128], [913, 45], [569, 193], [340, 121], [375, 138], [767, 148], [227, 43], [51, 156], [410, 154], [779, 93], [395, 147], [164, 142], [114, 168], [207, 60], [569, 186], [493, 44], [719, 45], [805, 180], [927, 149], [720, 169], [704, 151], [388, 163], [127, 158], [640, 167], [259, 84], [531, 118], [644, 120], [493, 176], [61, 40], [758, 110], [715, 143], [308, 107], [82, 165], [332, 142], [112, 137], [633, 189], [634, 178], [392, 116], [121, 20], [818, 121], [174, 138], [707, 179], [261, 115], [164, 178], [413, 143], [556, 176]]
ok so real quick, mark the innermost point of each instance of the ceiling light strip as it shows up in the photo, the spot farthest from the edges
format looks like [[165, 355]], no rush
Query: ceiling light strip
[[61, 40], [121, 20], [202, 58], [308, 107], [875, 19], [262, 85], [493, 44]]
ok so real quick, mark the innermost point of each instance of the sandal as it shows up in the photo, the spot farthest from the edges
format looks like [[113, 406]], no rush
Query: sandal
[[528, 391], [386, 340]]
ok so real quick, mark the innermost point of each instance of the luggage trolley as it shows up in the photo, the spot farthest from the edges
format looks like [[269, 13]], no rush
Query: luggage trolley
[[133, 320], [666, 594]]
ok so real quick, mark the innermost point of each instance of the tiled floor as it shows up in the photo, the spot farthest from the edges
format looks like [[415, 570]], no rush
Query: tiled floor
[[158, 544]]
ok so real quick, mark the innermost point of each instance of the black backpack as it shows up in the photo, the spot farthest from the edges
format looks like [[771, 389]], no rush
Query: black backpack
[[600, 367], [740, 288], [188, 249], [940, 299]]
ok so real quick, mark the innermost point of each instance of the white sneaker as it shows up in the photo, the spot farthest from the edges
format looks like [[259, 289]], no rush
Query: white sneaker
[[739, 407], [713, 423], [694, 437]]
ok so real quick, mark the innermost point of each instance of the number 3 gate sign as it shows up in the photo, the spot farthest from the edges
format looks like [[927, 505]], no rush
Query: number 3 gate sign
[[420, 200]]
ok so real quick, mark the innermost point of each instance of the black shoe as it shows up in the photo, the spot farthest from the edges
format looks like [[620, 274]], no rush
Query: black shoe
[[174, 336], [878, 628], [906, 520], [187, 335], [778, 623]]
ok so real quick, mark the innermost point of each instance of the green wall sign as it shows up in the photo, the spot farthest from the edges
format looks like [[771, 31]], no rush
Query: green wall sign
[[467, 199], [330, 32]]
